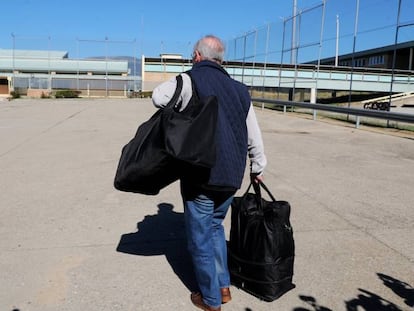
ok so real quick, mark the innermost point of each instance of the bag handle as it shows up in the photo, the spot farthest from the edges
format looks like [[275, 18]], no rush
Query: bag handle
[[257, 191], [174, 100], [261, 183]]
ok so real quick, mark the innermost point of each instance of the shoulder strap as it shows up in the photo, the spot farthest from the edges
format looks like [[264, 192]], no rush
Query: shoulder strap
[[174, 100]]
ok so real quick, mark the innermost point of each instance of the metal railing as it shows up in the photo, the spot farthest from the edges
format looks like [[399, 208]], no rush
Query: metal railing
[[357, 112]]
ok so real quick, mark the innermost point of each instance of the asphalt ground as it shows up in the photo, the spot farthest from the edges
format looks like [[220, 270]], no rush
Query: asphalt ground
[[70, 241]]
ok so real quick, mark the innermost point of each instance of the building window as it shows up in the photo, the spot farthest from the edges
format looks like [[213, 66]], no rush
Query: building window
[[376, 60], [359, 62]]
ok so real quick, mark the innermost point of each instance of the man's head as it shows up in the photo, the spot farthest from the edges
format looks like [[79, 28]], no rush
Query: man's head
[[209, 48]]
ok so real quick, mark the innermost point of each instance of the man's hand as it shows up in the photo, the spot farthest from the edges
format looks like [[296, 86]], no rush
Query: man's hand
[[256, 178]]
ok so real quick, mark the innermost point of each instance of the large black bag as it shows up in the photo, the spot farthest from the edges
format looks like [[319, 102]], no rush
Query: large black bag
[[168, 144], [190, 134], [145, 166], [261, 249]]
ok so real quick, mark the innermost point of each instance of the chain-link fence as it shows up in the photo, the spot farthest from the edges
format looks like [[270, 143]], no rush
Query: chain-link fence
[[98, 86], [314, 33], [318, 32], [327, 29], [85, 83]]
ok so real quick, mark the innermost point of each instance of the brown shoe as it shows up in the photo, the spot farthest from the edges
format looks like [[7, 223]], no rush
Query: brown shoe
[[225, 295], [197, 300]]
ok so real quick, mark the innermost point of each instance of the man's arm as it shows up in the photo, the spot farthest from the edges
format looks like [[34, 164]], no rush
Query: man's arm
[[257, 156], [163, 93]]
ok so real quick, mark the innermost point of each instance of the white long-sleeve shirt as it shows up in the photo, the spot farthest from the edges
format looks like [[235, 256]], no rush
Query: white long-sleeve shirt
[[163, 93]]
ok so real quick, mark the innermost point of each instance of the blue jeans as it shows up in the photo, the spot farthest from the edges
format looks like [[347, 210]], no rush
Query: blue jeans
[[204, 215]]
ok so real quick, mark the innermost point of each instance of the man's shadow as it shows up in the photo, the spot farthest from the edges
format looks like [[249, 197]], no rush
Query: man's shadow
[[162, 234]]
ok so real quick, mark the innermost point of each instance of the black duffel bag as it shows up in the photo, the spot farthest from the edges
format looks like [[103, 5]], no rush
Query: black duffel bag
[[168, 144], [261, 249], [190, 134], [145, 167]]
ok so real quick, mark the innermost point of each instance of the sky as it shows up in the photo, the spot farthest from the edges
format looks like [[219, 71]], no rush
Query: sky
[[134, 27]]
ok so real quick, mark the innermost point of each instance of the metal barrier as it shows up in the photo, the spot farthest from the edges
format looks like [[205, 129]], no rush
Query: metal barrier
[[385, 115]]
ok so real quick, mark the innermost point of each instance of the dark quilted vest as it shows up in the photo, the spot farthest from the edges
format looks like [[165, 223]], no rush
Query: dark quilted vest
[[234, 104]]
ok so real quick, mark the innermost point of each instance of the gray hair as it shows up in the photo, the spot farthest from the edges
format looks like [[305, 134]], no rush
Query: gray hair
[[210, 47]]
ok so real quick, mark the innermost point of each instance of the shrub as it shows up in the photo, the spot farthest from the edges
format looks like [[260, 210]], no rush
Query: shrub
[[15, 94], [67, 94]]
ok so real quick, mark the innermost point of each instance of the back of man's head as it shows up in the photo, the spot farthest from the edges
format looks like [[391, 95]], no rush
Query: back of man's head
[[211, 48]]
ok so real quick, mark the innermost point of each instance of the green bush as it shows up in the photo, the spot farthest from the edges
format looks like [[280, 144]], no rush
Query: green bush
[[67, 94], [15, 94]]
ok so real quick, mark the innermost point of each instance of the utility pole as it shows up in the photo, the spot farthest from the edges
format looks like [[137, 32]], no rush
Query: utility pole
[[106, 41], [394, 57], [293, 46], [353, 53], [106, 66], [14, 56], [337, 40]]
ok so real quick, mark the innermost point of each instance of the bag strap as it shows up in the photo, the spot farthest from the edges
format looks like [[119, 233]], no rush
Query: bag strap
[[174, 100], [258, 194], [267, 190]]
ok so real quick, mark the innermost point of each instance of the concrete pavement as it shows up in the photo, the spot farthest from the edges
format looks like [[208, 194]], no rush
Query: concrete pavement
[[70, 241]]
